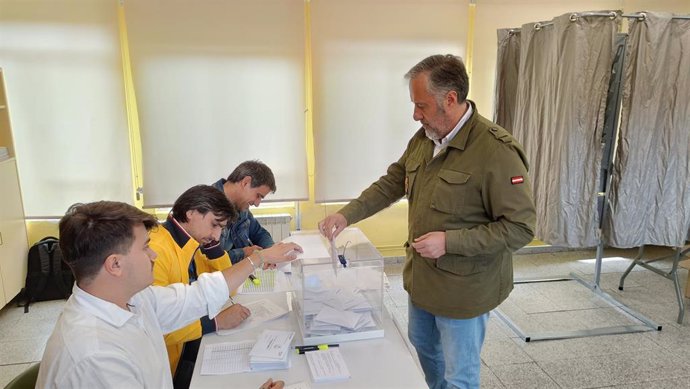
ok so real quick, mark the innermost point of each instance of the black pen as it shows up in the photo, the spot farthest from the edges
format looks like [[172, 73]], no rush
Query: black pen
[[303, 349]]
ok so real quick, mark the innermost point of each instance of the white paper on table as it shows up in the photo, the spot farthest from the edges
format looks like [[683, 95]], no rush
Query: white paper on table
[[261, 311], [267, 283], [263, 366], [272, 344], [327, 365], [226, 358], [265, 363], [272, 281]]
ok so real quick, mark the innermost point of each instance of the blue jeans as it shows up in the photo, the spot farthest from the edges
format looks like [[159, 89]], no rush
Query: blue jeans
[[448, 349]]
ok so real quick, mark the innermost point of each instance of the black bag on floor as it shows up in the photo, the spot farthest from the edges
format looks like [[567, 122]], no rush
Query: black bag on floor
[[48, 276]]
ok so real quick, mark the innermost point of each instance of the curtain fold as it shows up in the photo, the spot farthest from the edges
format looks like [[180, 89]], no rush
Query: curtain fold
[[650, 188], [559, 116], [507, 72]]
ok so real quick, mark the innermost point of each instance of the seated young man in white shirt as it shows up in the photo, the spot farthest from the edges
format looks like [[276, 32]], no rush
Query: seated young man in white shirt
[[110, 333]]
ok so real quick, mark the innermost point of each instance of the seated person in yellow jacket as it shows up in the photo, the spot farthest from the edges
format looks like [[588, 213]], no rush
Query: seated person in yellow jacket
[[187, 246]]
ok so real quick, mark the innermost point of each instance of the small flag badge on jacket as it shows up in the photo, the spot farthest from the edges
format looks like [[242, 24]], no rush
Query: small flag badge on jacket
[[517, 180]]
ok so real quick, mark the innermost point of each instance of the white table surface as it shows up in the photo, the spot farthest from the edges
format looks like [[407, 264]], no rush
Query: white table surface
[[373, 363]]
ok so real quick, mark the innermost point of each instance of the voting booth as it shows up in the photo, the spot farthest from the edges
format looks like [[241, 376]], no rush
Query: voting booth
[[338, 287]]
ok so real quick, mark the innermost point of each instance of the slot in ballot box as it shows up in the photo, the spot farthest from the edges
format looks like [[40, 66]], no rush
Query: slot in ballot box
[[338, 287]]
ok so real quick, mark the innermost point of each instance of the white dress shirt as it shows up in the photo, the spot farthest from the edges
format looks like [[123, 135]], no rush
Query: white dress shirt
[[96, 344], [442, 143]]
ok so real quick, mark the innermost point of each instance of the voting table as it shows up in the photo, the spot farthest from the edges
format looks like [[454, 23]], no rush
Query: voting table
[[380, 362]]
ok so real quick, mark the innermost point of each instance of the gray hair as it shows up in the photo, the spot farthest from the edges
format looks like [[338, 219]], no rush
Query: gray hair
[[446, 73]]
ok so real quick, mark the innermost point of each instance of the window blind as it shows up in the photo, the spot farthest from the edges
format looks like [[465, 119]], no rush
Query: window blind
[[362, 109], [63, 75], [218, 83]]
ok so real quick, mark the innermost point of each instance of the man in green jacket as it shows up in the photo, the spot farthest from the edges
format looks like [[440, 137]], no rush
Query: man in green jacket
[[470, 207]]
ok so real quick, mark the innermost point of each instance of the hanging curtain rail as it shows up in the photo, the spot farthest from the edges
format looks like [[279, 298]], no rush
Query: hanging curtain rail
[[573, 17], [643, 16]]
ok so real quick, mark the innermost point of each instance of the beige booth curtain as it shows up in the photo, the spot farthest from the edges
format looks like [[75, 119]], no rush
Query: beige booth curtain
[[507, 71], [650, 189], [561, 98]]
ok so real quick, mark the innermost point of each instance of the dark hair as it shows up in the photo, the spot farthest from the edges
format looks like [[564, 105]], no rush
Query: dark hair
[[89, 233], [204, 199], [446, 73], [260, 173]]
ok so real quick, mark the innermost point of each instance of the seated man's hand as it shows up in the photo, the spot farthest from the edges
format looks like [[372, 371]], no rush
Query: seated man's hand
[[232, 317], [270, 384], [250, 249], [280, 252]]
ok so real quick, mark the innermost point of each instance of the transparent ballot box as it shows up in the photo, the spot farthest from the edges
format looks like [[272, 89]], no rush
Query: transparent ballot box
[[337, 302]]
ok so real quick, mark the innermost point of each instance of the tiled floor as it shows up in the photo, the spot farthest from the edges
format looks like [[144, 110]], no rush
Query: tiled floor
[[640, 360], [23, 336]]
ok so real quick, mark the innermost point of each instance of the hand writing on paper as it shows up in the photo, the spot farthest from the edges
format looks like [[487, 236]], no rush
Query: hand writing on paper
[[431, 245], [270, 384], [232, 317]]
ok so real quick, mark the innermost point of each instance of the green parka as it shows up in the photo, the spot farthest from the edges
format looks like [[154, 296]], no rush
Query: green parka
[[478, 192]]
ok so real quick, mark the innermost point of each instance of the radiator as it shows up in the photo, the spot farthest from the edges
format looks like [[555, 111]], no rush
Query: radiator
[[277, 225]]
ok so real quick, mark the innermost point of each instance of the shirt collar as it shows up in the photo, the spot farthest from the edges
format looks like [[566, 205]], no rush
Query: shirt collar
[[444, 141], [219, 184], [104, 310], [178, 233]]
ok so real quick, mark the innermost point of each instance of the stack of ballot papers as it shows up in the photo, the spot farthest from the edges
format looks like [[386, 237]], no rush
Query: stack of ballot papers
[[226, 358], [327, 365], [271, 351], [336, 311]]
